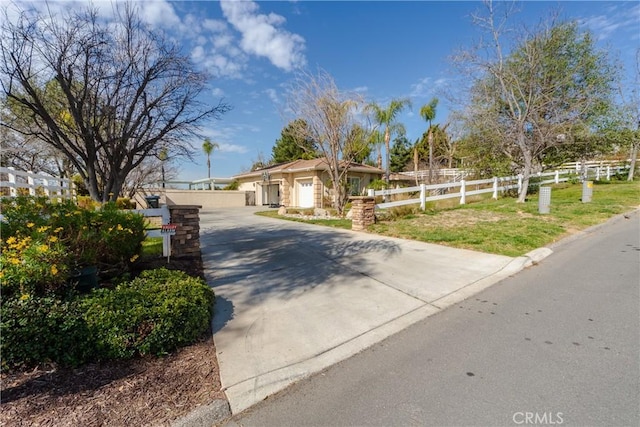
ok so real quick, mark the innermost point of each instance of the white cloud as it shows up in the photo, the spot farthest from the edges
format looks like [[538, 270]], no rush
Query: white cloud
[[427, 87], [232, 148], [214, 25], [421, 89], [261, 35], [619, 18], [160, 14], [273, 95], [217, 92]]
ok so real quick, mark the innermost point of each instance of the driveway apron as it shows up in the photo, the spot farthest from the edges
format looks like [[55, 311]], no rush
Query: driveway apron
[[293, 298]]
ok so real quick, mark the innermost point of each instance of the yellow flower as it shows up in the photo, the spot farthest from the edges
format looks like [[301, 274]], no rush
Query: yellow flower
[[119, 227], [24, 297], [133, 258], [30, 224], [53, 239], [11, 240], [43, 228], [14, 261], [59, 229], [54, 270], [43, 248]]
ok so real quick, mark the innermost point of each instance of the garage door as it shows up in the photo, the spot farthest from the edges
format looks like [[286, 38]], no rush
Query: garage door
[[305, 194]]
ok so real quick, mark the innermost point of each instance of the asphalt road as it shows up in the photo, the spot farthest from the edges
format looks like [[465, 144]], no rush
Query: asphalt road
[[558, 344]]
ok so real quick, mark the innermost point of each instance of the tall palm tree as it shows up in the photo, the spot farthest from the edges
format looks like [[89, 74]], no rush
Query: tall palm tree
[[386, 117], [208, 147], [428, 113]]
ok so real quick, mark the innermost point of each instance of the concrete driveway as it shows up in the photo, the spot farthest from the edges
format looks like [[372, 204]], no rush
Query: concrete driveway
[[293, 299]]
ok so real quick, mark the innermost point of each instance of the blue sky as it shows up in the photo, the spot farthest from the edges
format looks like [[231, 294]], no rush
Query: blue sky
[[380, 49]]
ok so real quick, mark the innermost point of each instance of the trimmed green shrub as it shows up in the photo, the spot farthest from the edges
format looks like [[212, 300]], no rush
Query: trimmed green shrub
[[38, 330], [155, 313], [109, 238]]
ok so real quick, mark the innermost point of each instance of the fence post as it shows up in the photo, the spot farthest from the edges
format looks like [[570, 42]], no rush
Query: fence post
[[519, 183], [598, 173], [423, 196], [371, 192], [608, 173], [12, 180], [495, 188], [557, 177], [463, 198], [45, 185], [32, 184]]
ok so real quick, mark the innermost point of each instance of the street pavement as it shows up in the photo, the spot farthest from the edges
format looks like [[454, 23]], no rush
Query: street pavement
[[293, 299], [557, 344]]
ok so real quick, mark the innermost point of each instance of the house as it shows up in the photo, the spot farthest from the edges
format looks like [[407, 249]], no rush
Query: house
[[302, 183]]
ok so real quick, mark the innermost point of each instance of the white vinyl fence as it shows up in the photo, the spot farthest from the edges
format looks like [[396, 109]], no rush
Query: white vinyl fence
[[165, 215], [461, 189], [51, 187]]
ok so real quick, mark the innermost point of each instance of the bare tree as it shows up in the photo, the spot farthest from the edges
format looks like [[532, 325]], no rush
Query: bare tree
[[104, 94], [548, 88], [330, 117]]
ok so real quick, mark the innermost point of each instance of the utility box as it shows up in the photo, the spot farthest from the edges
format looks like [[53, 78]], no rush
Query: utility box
[[587, 191], [153, 202], [544, 200]]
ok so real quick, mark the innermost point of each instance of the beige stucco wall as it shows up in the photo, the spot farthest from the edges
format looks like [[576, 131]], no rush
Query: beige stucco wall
[[205, 198], [289, 185]]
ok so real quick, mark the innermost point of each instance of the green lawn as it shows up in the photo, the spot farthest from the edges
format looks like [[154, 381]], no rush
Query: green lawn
[[151, 247], [509, 228], [503, 226]]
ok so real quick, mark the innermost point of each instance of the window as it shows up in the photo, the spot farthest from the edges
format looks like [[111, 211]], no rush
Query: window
[[354, 185]]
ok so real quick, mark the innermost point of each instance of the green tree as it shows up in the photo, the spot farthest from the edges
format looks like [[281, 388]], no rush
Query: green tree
[[208, 147], [291, 146], [386, 117], [358, 145], [401, 154], [552, 84], [428, 113]]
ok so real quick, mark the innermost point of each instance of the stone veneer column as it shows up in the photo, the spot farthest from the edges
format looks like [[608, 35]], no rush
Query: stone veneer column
[[317, 192], [186, 241], [286, 193], [362, 212]]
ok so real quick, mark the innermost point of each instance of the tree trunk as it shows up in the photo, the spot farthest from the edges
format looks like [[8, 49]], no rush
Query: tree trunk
[[430, 139], [634, 155], [387, 137], [528, 162]]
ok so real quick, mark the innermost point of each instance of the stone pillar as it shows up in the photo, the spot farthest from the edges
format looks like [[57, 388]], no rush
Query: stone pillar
[[317, 192], [186, 241], [362, 212]]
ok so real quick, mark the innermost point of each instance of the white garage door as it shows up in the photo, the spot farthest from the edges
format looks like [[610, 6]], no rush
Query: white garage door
[[305, 194]]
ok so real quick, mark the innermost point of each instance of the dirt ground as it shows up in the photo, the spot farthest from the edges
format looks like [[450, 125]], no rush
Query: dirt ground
[[147, 391]]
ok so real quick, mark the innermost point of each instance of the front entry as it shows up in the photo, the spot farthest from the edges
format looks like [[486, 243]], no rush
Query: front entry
[[271, 194]]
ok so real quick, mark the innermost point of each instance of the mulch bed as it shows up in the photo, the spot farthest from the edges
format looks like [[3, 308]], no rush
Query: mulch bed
[[147, 391]]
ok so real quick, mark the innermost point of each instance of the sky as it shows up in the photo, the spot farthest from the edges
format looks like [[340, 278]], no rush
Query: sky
[[378, 49]]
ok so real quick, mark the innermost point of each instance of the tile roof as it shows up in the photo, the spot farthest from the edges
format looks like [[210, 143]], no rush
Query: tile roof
[[306, 165]]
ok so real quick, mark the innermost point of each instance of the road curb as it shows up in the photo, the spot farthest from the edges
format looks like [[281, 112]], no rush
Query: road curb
[[205, 415]]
